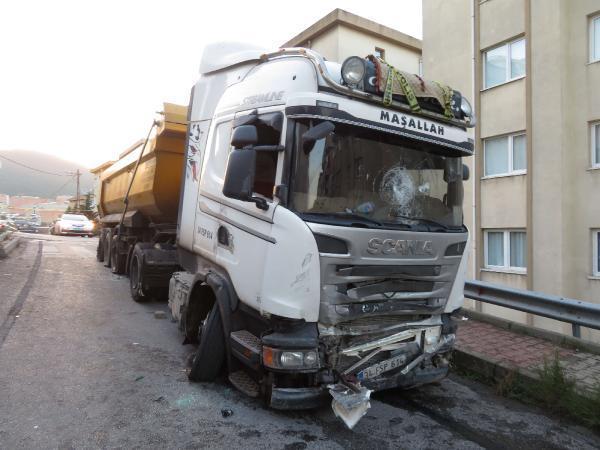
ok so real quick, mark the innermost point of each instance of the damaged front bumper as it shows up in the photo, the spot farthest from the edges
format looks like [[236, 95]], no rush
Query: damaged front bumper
[[403, 359]]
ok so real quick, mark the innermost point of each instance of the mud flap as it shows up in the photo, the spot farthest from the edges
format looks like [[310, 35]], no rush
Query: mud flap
[[350, 402]]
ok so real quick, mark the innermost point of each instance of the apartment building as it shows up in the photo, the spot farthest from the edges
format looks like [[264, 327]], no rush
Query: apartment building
[[341, 34], [532, 71]]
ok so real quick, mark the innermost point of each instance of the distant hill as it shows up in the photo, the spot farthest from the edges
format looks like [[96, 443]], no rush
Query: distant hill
[[19, 180]]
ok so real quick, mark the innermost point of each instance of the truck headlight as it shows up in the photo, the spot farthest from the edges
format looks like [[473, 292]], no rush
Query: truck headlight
[[290, 359], [353, 70]]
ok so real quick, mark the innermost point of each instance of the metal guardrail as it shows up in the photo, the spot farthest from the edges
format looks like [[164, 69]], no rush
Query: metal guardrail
[[575, 312]]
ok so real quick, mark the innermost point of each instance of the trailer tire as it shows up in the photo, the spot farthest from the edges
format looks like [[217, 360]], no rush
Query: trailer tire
[[209, 357], [117, 261], [100, 248], [107, 247], [136, 278]]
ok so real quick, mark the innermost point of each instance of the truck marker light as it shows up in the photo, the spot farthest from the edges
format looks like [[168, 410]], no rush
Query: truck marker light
[[325, 104], [268, 357]]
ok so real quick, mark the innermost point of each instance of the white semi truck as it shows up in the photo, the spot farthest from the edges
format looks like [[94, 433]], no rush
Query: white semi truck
[[320, 233]]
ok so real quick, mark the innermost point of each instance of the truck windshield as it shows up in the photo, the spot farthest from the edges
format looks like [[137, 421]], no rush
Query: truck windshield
[[362, 177]]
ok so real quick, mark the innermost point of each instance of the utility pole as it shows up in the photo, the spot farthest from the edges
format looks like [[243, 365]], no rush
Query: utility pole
[[77, 174]]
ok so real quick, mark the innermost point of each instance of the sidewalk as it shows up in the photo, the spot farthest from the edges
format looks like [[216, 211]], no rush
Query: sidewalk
[[494, 352]]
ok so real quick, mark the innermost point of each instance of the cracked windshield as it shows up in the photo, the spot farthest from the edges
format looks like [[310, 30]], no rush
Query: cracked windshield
[[381, 179]]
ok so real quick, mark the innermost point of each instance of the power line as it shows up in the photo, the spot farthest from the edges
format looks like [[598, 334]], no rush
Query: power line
[[33, 168], [60, 188]]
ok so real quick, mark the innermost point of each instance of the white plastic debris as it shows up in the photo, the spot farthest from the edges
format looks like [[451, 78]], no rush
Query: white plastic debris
[[350, 403]]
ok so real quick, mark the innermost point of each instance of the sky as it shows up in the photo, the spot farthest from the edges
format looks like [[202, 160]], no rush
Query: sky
[[81, 80]]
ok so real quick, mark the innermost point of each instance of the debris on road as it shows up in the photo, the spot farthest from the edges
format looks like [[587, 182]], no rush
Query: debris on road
[[160, 315], [226, 412], [350, 402], [141, 377]]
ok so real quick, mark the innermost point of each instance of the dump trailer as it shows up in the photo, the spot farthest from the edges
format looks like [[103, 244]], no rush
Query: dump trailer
[[320, 244], [138, 206]]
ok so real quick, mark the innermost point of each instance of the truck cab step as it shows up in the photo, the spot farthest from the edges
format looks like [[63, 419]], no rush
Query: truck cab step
[[243, 382], [246, 347]]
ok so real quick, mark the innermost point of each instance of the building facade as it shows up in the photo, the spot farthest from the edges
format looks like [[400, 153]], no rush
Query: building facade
[[341, 34], [532, 71]]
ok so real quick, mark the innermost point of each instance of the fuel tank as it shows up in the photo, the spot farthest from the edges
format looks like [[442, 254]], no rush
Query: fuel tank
[[155, 189]]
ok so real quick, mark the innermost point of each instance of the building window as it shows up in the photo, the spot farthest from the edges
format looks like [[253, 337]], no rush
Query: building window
[[596, 253], [506, 249], [505, 155], [595, 38], [380, 53], [595, 140], [504, 63]]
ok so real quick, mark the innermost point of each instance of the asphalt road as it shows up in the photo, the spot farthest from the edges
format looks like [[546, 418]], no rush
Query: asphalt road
[[83, 366]]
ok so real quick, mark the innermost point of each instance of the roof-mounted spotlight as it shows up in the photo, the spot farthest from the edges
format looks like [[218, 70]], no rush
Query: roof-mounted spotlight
[[353, 71]]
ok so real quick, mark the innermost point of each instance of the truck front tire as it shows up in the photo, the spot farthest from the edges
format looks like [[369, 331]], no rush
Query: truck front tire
[[210, 355]]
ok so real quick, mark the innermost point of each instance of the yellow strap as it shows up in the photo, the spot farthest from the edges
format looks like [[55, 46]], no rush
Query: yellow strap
[[447, 95], [407, 89]]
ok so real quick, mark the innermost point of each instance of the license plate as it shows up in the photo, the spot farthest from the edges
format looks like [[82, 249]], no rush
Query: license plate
[[381, 367]]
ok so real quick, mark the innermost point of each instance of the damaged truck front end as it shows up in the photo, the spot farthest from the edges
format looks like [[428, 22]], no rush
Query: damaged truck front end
[[384, 323], [386, 214]]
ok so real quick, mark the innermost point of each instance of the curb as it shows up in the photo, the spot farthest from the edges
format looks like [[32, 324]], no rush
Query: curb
[[7, 246], [494, 370], [490, 368]]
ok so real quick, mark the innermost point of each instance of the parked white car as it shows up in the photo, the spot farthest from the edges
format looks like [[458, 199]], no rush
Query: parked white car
[[73, 224]]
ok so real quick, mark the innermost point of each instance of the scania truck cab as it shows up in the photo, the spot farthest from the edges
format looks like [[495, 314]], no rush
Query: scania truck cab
[[320, 225]]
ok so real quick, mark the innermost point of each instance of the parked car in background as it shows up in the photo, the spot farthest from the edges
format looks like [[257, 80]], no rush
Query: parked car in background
[[25, 224], [76, 224], [6, 224]]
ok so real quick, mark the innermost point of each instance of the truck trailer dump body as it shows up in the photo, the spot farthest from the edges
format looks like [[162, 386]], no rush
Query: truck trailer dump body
[[155, 189]]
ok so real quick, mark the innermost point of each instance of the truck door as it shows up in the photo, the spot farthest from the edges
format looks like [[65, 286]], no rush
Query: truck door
[[196, 144], [233, 233]]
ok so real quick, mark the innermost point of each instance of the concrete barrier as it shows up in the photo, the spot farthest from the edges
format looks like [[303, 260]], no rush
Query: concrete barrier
[[8, 245]]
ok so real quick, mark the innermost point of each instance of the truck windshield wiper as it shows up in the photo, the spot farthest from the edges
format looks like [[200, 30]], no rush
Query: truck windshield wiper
[[356, 218], [427, 221]]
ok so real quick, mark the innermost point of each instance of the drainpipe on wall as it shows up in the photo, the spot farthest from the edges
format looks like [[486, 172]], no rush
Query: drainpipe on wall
[[476, 113]]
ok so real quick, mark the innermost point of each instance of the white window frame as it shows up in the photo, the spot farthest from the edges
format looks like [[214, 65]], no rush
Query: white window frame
[[506, 267], [595, 250], [592, 50], [508, 77], [511, 170], [595, 163]]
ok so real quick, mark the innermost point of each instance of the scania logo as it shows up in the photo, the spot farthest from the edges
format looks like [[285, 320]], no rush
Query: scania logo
[[400, 247]]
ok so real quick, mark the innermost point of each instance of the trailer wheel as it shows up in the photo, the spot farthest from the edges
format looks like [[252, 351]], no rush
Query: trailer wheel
[[107, 247], [117, 259], [136, 276], [100, 248], [209, 358]]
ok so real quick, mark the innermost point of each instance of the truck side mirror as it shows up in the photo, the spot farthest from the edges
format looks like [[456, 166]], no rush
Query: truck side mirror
[[315, 133], [466, 172], [244, 135], [239, 177]]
